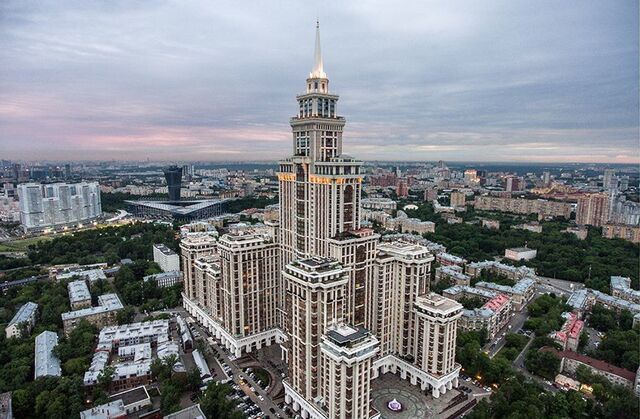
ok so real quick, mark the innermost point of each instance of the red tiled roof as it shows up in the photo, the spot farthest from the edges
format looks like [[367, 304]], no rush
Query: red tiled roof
[[496, 302]]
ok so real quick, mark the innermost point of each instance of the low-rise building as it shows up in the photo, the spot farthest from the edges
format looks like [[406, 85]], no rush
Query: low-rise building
[[165, 279], [532, 227], [102, 315], [570, 361], [492, 316], [91, 275], [112, 337], [24, 320], [167, 259], [521, 292], [133, 400], [447, 259], [79, 295], [580, 232], [621, 288], [520, 253], [46, 362], [378, 204], [621, 231], [568, 337], [515, 273], [491, 224], [111, 410], [453, 274], [463, 291]]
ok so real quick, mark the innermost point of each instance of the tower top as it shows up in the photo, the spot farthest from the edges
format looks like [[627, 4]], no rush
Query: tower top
[[318, 68]]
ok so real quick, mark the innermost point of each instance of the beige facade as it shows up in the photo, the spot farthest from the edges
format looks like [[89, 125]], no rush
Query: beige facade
[[315, 298], [347, 357], [192, 248], [541, 207], [250, 267]]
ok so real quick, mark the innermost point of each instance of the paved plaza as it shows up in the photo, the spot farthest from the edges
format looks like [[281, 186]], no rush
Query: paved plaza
[[415, 404]]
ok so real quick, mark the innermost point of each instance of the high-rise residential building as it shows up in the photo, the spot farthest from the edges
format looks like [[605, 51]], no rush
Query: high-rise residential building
[[192, 248], [402, 190], [514, 184], [458, 199], [402, 273], [58, 205], [430, 194], [314, 299], [173, 176], [347, 358], [593, 209], [609, 180], [471, 176], [347, 308], [249, 288], [434, 350], [546, 178]]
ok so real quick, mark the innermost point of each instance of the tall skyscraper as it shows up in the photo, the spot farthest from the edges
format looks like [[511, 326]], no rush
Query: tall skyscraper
[[350, 308], [173, 176]]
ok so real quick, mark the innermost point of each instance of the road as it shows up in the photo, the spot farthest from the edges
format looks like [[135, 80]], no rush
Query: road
[[516, 322], [239, 377]]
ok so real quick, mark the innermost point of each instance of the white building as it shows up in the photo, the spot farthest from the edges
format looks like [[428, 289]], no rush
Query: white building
[[165, 279], [379, 204], [167, 259], [58, 205], [46, 362], [520, 253], [79, 295], [25, 317]]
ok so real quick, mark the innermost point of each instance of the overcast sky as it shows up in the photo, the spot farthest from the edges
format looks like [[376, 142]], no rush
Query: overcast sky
[[216, 80]]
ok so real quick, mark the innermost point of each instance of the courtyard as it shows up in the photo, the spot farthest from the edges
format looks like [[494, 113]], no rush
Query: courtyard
[[415, 403]]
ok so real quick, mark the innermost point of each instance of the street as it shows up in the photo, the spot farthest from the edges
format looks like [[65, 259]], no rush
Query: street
[[246, 383]]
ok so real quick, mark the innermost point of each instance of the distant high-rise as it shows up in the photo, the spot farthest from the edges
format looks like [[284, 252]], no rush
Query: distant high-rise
[[173, 175], [58, 204], [609, 180], [546, 178], [593, 209]]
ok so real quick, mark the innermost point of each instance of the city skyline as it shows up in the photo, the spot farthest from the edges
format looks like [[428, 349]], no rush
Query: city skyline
[[500, 82]]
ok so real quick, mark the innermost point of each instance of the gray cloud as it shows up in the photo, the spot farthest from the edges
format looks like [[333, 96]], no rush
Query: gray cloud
[[499, 80]]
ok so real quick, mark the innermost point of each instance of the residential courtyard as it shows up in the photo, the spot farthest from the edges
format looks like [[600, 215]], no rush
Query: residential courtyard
[[415, 403]]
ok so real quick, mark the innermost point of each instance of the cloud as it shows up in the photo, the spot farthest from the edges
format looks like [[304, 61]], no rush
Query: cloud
[[194, 80]]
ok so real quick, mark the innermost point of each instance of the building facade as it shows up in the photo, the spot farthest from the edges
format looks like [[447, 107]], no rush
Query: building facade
[[58, 205]]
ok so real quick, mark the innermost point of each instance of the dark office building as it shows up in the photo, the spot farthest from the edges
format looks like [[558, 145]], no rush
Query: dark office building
[[173, 175]]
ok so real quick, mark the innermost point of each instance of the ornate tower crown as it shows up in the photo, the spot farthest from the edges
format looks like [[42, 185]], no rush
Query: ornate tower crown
[[318, 70], [317, 81]]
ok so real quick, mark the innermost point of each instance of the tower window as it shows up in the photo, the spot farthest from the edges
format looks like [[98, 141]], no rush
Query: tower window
[[315, 85]]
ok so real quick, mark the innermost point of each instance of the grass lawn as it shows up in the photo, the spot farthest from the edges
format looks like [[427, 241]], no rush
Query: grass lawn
[[262, 376], [22, 245]]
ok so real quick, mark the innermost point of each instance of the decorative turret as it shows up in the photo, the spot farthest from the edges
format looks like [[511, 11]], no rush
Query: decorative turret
[[317, 81]]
